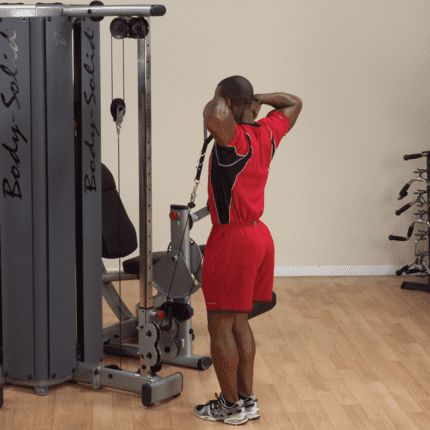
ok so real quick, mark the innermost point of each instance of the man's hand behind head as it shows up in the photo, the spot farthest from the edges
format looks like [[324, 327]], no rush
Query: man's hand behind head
[[255, 108]]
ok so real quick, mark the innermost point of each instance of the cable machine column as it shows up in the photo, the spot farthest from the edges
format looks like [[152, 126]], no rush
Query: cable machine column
[[145, 183]]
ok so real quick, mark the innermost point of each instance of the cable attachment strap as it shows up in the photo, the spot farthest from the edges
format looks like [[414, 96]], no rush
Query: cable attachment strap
[[191, 205], [194, 194]]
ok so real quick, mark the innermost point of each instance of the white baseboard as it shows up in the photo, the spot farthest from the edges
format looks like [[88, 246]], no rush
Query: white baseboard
[[336, 271], [298, 271]]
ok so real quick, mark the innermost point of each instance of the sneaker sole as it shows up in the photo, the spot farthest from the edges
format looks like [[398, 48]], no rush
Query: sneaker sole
[[253, 415]]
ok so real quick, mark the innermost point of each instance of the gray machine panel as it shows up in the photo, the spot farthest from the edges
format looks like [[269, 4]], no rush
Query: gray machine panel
[[17, 241], [91, 192], [38, 234], [61, 193]]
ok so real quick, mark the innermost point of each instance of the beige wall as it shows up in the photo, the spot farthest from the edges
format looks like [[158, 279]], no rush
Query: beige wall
[[362, 69]]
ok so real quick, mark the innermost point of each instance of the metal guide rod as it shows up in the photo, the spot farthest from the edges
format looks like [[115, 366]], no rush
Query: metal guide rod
[[145, 171], [123, 10], [80, 11]]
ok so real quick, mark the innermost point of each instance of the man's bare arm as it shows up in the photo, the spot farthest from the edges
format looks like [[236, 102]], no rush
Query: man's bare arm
[[287, 104]]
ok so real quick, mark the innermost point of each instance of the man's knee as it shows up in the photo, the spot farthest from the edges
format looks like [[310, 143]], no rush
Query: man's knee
[[240, 321]]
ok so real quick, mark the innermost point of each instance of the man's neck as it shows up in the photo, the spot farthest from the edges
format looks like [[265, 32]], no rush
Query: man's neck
[[247, 120]]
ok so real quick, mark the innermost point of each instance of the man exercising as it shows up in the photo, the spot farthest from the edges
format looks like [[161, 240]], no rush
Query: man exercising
[[239, 258]]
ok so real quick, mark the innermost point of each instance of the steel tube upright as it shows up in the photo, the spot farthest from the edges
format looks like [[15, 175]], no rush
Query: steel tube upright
[[145, 177]]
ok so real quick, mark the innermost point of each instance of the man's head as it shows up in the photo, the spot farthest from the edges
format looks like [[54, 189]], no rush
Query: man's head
[[238, 90]]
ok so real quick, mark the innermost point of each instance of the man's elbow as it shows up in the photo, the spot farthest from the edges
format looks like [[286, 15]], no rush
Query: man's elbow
[[299, 102]]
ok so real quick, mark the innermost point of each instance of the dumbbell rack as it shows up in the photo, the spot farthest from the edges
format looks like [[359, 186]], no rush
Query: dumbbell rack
[[415, 285]]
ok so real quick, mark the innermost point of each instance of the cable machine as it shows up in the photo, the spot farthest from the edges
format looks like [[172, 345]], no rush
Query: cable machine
[[49, 239], [51, 213]]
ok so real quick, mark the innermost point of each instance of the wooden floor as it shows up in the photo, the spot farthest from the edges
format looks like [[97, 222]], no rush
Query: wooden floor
[[335, 353]]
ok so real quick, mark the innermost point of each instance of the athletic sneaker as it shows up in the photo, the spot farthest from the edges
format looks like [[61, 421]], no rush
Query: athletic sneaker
[[218, 410], [251, 407]]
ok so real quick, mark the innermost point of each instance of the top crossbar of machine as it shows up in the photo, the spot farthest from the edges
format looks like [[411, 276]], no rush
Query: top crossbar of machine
[[79, 11]]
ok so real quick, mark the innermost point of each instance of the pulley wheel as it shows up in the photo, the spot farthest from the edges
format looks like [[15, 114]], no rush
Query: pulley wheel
[[138, 28], [96, 3], [114, 106], [119, 28]]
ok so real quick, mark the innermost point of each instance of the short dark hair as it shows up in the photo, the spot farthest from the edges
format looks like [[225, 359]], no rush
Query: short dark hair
[[239, 90]]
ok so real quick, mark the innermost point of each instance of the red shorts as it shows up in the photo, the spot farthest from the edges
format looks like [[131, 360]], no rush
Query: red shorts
[[238, 267]]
